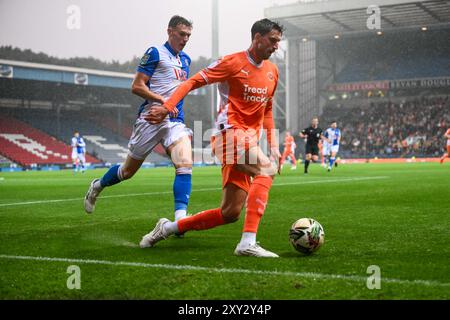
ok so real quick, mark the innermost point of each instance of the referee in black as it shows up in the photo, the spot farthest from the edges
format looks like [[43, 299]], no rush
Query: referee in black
[[312, 134]]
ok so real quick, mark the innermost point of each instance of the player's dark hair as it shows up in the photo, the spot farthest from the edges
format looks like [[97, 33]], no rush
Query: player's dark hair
[[176, 20], [264, 26], [333, 122]]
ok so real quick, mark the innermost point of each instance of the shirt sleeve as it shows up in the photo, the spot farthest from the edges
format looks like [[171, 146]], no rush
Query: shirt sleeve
[[269, 124], [195, 82], [220, 70], [82, 143], [149, 62]]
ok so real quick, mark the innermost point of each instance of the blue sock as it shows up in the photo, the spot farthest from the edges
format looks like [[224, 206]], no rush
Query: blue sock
[[332, 159], [182, 186], [74, 167], [111, 177]]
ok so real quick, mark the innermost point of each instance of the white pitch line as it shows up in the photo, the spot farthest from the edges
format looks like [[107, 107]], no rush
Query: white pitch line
[[196, 190], [312, 275]]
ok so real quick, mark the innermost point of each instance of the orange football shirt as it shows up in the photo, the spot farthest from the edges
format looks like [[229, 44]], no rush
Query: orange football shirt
[[288, 142], [246, 91]]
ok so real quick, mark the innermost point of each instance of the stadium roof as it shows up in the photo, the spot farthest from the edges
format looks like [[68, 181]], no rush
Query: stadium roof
[[71, 75], [325, 18]]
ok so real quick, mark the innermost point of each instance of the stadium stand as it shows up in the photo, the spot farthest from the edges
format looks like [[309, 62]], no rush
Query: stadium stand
[[391, 68], [109, 122], [412, 127], [27, 146], [101, 142], [5, 162]]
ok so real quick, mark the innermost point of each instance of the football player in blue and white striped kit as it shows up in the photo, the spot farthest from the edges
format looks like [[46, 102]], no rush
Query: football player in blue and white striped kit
[[331, 144], [78, 152], [161, 70]]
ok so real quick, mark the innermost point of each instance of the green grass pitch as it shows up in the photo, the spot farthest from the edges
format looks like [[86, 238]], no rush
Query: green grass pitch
[[395, 216]]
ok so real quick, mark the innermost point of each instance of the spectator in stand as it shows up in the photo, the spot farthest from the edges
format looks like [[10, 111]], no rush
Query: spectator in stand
[[409, 128]]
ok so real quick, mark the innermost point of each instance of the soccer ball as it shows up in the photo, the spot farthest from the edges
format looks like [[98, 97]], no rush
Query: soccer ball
[[306, 235]]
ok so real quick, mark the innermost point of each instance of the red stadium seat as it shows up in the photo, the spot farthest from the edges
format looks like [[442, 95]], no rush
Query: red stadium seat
[[26, 145]]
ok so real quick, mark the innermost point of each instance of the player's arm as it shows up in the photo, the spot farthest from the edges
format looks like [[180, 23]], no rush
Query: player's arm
[[324, 138], [139, 88], [303, 134], [158, 113], [447, 135], [144, 72], [217, 72], [269, 126]]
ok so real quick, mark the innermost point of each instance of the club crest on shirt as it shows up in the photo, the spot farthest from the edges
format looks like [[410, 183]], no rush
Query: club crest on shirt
[[144, 59], [270, 76]]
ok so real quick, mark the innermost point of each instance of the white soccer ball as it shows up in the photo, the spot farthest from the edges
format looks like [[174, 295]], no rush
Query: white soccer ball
[[306, 235]]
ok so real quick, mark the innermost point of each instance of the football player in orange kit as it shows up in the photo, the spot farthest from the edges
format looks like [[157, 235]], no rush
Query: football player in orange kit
[[247, 82], [447, 136], [289, 147]]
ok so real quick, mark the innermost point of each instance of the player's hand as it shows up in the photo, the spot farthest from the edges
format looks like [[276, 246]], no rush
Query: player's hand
[[156, 114], [275, 153]]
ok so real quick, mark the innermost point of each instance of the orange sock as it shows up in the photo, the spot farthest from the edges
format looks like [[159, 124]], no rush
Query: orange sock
[[256, 202], [201, 221]]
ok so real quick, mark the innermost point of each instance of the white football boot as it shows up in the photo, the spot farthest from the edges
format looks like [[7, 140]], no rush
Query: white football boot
[[91, 197], [156, 235], [254, 250]]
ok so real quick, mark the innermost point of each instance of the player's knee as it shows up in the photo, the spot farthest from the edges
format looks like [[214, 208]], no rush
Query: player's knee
[[183, 163], [231, 213], [126, 173]]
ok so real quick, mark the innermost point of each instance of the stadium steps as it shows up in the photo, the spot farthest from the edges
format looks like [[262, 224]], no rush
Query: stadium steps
[[108, 122], [101, 142], [27, 146]]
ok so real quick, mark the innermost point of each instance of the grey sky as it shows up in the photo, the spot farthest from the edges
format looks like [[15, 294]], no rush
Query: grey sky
[[120, 29]]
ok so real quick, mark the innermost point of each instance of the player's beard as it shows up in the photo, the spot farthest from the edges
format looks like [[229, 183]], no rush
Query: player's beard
[[269, 53]]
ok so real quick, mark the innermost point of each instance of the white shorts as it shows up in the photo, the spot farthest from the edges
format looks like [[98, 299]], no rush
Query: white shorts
[[335, 149], [146, 136], [326, 149], [78, 156]]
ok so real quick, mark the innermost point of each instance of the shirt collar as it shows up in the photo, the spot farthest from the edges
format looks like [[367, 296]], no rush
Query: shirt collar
[[167, 45], [249, 57]]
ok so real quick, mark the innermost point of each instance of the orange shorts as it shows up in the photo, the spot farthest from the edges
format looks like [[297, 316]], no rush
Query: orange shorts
[[231, 147], [231, 175], [448, 150], [287, 152]]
